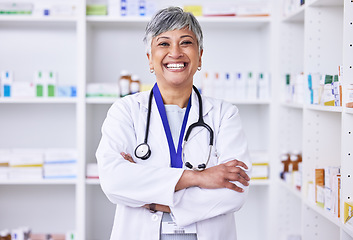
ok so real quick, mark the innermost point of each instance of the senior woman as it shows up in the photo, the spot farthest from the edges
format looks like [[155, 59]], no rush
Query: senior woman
[[161, 191]]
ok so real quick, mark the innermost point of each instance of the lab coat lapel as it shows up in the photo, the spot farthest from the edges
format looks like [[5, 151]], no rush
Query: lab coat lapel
[[194, 113]]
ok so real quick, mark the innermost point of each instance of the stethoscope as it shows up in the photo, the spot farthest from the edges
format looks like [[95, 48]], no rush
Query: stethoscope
[[143, 150]]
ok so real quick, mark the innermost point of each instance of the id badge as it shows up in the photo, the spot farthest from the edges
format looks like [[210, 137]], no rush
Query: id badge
[[170, 227]]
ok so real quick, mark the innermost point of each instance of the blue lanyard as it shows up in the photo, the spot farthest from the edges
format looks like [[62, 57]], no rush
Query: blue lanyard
[[175, 157]]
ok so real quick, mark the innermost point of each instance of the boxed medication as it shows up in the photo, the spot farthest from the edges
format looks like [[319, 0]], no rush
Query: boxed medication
[[92, 171], [26, 164], [252, 10], [96, 9], [60, 163], [349, 91], [22, 89], [260, 165], [348, 213], [10, 7], [102, 90], [60, 170], [60, 155], [336, 196], [260, 171], [196, 10], [219, 10], [4, 163], [66, 91], [29, 172], [319, 186], [21, 157]]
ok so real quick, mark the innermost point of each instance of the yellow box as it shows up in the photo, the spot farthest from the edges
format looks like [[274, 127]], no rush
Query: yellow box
[[348, 213], [194, 9], [260, 171]]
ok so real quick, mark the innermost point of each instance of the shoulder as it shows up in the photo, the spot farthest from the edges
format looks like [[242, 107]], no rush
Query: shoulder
[[127, 107], [131, 101], [221, 107]]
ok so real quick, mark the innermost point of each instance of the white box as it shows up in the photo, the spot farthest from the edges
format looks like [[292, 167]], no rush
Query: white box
[[4, 172], [92, 170], [60, 155], [23, 89], [259, 171], [25, 157], [60, 170], [26, 173]]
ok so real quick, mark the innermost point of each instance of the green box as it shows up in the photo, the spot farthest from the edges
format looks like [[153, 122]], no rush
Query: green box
[[96, 9]]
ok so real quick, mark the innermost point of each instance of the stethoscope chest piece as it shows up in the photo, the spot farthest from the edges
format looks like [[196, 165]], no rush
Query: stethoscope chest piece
[[143, 151]]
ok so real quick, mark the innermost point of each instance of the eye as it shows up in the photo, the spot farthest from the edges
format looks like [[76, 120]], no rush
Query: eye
[[163, 44], [186, 42]]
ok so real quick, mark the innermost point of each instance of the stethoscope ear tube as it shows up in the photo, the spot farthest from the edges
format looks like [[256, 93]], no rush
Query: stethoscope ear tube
[[199, 123], [143, 150]]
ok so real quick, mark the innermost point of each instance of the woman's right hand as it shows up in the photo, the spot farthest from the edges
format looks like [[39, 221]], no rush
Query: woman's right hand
[[220, 176], [223, 176]]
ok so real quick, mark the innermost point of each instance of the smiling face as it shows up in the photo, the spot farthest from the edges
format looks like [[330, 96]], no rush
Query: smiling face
[[175, 57]]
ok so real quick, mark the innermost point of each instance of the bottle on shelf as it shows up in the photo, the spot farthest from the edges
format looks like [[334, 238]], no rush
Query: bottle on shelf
[[124, 83], [5, 235], [135, 84]]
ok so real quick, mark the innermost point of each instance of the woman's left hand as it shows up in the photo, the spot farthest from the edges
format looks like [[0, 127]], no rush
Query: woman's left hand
[[127, 156]]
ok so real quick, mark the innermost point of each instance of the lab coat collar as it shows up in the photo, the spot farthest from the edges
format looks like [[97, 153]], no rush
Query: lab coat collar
[[194, 111]]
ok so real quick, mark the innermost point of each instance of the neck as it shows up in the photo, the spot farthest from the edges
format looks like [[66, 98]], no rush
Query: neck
[[175, 96]]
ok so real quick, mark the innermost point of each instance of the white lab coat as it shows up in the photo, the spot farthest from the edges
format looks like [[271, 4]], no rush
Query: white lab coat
[[131, 186]]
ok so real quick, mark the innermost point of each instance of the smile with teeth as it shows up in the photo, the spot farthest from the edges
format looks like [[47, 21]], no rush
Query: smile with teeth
[[176, 65]]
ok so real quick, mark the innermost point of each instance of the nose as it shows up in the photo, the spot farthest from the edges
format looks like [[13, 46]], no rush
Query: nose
[[175, 51]]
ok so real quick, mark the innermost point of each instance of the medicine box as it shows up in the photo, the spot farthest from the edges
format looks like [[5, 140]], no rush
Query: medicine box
[[348, 213], [319, 186]]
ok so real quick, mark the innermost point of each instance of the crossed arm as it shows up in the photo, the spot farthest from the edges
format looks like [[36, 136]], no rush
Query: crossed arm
[[220, 176]]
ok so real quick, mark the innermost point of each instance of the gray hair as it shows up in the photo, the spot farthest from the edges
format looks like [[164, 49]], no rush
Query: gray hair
[[169, 19]]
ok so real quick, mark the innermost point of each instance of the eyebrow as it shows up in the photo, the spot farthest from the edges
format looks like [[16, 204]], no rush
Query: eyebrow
[[183, 36]]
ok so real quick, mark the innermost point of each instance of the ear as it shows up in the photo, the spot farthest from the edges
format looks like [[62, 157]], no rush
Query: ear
[[200, 58], [150, 60]]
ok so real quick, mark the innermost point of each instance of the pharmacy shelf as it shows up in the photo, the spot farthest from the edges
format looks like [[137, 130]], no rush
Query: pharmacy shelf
[[323, 213], [292, 105], [295, 16], [290, 188], [347, 229], [117, 19], [348, 110], [100, 100], [247, 22], [106, 100], [39, 100], [200, 19], [264, 182], [38, 182], [316, 3], [90, 40], [324, 108], [307, 40], [250, 102], [92, 181], [30, 18]]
